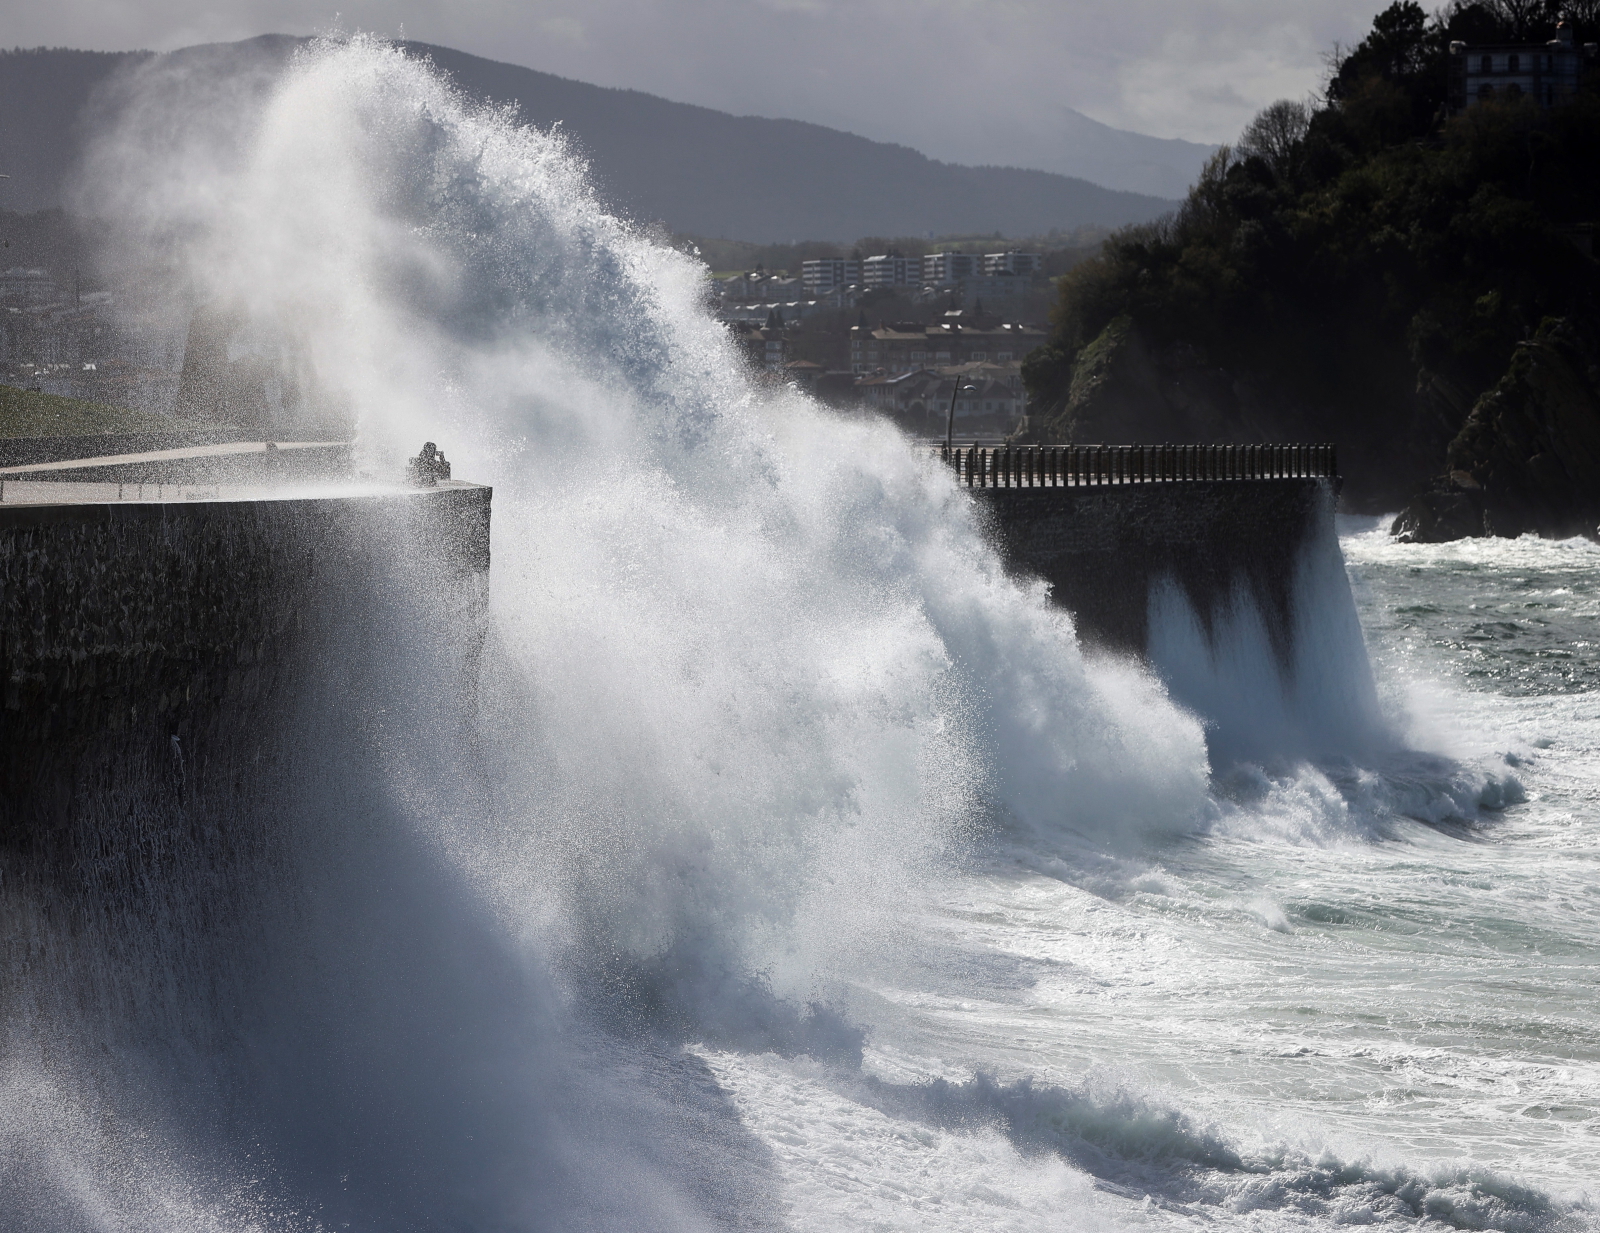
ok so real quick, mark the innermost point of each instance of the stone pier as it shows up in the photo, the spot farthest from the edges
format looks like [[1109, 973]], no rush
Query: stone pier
[[1102, 524]]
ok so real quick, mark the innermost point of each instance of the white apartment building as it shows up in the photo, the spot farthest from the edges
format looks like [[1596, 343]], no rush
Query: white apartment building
[[887, 271], [941, 268], [1012, 263], [826, 274]]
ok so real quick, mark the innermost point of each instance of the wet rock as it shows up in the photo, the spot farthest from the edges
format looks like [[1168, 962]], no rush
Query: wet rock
[[1443, 512], [1528, 456]]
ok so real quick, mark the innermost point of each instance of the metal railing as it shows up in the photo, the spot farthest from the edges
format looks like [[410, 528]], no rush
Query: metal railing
[[1084, 466]]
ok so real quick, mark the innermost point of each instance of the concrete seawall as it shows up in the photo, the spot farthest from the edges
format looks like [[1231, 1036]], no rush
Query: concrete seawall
[[1102, 548], [150, 648]]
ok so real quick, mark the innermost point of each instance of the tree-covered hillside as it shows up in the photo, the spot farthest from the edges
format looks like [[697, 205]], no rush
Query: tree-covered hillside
[[1360, 271]]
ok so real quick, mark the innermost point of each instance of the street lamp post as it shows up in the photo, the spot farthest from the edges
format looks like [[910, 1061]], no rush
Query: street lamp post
[[950, 420]]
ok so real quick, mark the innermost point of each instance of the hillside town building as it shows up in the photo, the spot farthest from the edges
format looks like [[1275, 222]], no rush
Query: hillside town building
[[767, 345], [986, 397], [1013, 263], [902, 347], [22, 287], [940, 268], [1547, 73], [887, 270], [759, 284], [827, 274]]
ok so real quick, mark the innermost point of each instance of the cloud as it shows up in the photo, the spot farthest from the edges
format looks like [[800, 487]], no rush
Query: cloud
[[957, 79], [569, 28]]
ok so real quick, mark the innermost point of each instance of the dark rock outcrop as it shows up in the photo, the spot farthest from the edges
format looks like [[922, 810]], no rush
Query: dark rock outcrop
[[1443, 511], [1528, 457]]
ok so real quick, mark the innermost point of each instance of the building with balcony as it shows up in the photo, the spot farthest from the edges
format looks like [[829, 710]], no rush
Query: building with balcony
[[827, 274], [888, 270], [1013, 263], [941, 268]]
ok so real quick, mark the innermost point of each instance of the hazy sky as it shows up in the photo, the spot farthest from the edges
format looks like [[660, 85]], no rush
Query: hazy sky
[[945, 76]]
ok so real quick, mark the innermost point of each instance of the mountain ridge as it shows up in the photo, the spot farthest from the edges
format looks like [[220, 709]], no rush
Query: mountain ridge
[[693, 168]]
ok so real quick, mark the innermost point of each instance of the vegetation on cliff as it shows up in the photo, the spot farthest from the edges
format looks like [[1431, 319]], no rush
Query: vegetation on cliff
[[1358, 271], [1528, 457], [29, 413]]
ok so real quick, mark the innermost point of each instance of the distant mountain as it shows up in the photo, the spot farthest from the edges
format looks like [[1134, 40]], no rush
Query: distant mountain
[[1117, 158], [696, 170], [1070, 143]]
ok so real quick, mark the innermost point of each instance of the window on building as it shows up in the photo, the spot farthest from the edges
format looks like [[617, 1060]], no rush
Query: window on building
[[1513, 91], [1513, 64], [1486, 65], [1003, 357]]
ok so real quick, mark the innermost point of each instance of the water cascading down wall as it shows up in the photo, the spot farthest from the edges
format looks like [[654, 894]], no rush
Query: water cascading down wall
[[1104, 524], [1219, 565]]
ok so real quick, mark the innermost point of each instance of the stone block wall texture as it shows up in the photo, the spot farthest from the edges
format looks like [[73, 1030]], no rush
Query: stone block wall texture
[[154, 653], [1101, 548]]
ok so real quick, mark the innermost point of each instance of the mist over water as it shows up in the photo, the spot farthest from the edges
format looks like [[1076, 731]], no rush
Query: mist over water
[[790, 865]]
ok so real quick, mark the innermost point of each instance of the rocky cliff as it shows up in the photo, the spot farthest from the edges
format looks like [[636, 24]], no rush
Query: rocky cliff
[[1528, 457]]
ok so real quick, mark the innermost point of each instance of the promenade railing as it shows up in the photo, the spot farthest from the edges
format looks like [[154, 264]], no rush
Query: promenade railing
[[1086, 466]]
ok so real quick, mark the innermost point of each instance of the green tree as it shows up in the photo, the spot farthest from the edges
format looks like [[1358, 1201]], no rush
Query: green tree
[[1357, 272]]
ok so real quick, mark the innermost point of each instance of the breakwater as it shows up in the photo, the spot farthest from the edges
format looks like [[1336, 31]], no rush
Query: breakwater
[[144, 639], [1106, 524]]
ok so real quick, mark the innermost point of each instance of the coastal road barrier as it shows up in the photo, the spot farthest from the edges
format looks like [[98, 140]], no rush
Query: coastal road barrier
[[1077, 466]]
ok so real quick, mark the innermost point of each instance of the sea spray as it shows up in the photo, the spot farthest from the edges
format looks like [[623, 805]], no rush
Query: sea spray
[[601, 943], [1305, 695], [753, 681]]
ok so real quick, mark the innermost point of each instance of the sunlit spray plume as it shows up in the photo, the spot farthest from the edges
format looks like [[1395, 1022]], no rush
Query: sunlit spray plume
[[738, 615], [753, 678], [1308, 695]]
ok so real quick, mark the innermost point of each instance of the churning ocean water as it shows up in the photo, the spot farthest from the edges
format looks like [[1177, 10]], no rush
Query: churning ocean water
[[1360, 994], [800, 869]]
